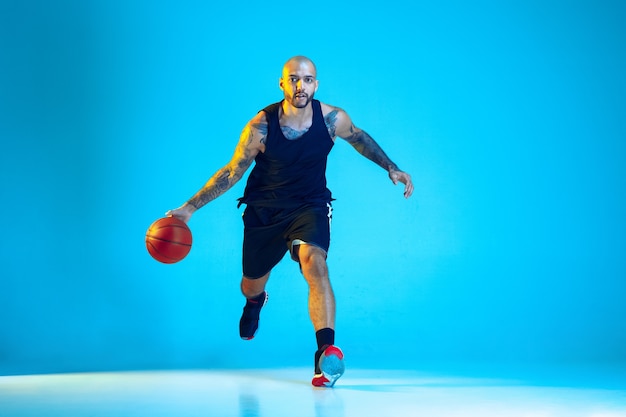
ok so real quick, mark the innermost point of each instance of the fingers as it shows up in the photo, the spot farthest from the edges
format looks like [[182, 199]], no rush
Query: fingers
[[178, 214], [405, 179], [408, 189]]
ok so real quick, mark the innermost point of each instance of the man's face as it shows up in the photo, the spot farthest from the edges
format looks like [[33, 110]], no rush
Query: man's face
[[299, 83]]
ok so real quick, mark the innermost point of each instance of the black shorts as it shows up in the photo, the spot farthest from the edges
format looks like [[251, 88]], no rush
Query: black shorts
[[270, 232]]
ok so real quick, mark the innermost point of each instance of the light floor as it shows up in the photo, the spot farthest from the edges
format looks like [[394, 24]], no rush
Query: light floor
[[286, 392]]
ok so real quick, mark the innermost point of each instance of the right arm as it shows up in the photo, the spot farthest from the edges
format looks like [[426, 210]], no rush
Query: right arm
[[251, 142]]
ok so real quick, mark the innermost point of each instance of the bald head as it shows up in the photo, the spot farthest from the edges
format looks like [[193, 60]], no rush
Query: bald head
[[297, 62]]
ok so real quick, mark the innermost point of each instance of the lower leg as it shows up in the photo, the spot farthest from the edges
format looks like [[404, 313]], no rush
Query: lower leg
[[321, 298], [254, 291]]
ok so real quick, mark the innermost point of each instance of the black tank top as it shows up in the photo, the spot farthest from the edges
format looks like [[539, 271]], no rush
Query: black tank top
[[290, 172]]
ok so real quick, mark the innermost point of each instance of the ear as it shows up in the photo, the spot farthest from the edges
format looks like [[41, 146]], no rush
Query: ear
[[280, 83], [317, 84]]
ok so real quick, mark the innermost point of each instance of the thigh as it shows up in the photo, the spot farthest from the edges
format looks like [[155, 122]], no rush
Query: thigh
[[263, 242], [311, 228]]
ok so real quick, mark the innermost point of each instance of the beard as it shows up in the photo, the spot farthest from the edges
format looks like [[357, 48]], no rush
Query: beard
[[302, 101]]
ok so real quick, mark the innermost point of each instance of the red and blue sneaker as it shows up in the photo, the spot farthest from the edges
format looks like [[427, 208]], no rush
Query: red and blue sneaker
[[329, 367]]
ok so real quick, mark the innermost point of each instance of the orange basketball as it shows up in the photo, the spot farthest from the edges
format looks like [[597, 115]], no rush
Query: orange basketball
[[168, 240]]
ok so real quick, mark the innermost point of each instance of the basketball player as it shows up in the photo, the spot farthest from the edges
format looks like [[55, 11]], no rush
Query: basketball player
[[288, 206]]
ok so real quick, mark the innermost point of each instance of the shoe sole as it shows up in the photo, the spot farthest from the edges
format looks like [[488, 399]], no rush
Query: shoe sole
[[332, 367]]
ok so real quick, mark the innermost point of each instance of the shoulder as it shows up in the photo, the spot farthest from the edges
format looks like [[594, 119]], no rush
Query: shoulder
[[259, 123], [334, 112], [336, 119], [260, 117], [273, 108], [327, 109], [254, 133]]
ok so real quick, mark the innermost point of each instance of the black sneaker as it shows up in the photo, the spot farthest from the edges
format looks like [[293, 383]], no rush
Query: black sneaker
[[249, 322]]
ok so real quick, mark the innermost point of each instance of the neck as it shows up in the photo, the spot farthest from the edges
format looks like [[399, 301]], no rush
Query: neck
[[296, 113]]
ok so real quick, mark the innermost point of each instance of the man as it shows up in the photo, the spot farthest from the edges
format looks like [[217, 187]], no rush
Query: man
[[288, 206]]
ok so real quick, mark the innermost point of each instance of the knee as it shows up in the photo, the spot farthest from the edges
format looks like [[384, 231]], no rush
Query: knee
[[312, 256], [313, 265], [246, 289], [250, 288]]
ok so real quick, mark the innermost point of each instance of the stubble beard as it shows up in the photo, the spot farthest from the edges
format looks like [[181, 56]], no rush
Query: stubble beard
[[298, 103]]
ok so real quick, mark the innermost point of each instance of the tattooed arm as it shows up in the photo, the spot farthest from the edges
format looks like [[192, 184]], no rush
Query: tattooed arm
[[339, 124], [251, 142]]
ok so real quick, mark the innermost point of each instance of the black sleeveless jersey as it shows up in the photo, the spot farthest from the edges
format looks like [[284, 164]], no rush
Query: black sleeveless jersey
[[290, 172]]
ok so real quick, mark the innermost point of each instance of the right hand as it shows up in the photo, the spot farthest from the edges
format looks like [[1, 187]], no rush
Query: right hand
[[183, 212]]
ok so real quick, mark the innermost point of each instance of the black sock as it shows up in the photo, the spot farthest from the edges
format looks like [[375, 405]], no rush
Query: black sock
[[325, 337]]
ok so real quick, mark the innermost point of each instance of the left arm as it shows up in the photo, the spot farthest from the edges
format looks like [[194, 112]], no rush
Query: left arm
[[339, 124]]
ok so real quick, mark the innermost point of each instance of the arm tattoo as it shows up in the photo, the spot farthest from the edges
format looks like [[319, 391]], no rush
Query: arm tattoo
[[368, 147], [262, 128], [216, 186], [227, 176], [331, 120], [242, 165]]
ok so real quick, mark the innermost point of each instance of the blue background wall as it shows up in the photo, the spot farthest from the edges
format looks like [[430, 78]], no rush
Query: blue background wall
[[510, 117]]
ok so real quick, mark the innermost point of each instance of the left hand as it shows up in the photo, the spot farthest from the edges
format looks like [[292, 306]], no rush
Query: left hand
[[401, 176]]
